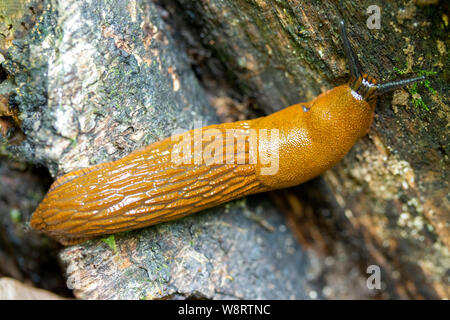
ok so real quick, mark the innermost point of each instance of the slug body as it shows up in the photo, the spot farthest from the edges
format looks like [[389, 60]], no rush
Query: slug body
[[148, 187]]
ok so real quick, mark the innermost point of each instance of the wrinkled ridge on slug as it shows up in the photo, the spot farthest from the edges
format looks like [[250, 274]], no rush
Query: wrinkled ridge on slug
[[142, 189]]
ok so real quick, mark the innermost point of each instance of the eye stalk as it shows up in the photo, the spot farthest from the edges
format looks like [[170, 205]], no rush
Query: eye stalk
[[353, 61], [363, 85], [393, 85]]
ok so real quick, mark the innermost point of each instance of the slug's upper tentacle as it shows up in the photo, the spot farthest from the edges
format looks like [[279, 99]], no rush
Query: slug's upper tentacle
[[353, 61]]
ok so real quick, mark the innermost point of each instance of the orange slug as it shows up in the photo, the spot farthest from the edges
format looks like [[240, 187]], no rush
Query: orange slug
[[187, 173]]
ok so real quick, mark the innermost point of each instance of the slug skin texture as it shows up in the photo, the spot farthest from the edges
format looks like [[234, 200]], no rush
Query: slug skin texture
[[147, 187]]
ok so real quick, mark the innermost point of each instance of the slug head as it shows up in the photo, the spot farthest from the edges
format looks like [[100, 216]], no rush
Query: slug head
[[343, 114], [363, 84], [340, 114], [348, 110], [316, 135]]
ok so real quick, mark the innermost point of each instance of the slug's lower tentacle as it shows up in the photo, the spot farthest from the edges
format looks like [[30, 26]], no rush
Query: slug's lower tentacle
[[391, 86]]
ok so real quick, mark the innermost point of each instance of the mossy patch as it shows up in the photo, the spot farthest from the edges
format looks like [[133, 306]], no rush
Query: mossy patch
[[111, 242]]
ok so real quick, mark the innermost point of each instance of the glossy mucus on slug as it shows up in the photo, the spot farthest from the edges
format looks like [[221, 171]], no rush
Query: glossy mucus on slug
[[148, 187]]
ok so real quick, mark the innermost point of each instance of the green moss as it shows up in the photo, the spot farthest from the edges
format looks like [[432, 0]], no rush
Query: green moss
[[73, 142], [111, 242], [401, 71], [427, 83], [426, 73], [15, 215], [417, 101], [3, 144]]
